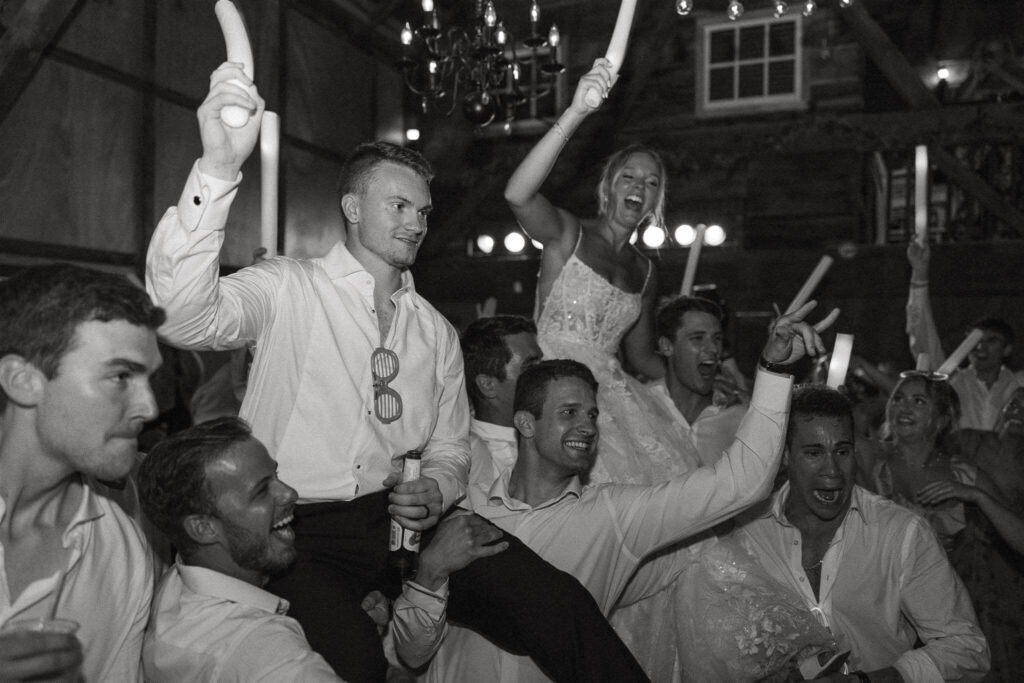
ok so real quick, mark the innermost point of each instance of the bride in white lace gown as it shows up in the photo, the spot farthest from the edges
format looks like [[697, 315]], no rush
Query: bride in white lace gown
[[596, 295]]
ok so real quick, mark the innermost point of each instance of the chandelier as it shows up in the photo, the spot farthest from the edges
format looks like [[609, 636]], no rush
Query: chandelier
[[479, 67]]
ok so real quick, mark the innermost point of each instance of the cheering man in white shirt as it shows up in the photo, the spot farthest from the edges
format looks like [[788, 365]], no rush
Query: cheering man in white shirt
[[77, 348], [352, 370]]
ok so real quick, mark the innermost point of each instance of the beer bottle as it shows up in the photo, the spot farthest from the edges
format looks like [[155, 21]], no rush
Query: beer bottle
[[404, 544]]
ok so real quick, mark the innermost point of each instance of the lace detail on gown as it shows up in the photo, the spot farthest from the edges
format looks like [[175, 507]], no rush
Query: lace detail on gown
[[585, 318]]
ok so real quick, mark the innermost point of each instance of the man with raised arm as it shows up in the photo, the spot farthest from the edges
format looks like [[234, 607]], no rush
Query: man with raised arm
[[986, 384], [77, 349], [353, 369], [601, 533]]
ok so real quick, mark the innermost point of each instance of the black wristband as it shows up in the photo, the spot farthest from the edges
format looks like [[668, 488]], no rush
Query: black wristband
[[766, 364], [861, 676]]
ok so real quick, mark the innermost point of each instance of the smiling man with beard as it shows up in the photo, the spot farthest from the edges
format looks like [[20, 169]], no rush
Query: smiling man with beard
[[871, 570]]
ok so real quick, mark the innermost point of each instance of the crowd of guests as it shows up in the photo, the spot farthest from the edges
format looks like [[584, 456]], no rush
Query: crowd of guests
[[576, 523]]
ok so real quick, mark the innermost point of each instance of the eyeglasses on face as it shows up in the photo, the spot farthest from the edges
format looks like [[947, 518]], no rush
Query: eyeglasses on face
[[387, 403]]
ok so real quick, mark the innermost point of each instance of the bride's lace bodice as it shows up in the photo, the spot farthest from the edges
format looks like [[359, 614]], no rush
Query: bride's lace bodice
[[584, 308]]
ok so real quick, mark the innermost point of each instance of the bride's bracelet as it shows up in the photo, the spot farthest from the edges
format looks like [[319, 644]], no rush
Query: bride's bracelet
[[557, 127]]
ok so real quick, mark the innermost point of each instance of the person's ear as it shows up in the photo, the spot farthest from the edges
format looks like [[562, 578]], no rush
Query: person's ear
[[487, 385], [202, 529], [665, 346], [21, 381], [350, 208], [525, 423]]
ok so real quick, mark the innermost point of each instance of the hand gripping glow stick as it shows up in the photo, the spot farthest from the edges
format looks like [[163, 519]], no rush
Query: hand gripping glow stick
[[840, 362], [957, 357], [239, 51], [812, 281], [270, 143], [691, 261], [616, 48]]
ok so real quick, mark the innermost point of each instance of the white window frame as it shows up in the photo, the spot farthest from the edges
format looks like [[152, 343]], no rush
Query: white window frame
[[797, 100]]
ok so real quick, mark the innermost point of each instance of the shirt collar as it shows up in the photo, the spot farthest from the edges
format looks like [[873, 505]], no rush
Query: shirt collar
[[499, 495], [217, 585], [777, 509], [340, 263], [488, 431]]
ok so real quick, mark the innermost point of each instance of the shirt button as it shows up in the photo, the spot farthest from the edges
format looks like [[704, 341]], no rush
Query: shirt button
[[196, 200], [796, 542]]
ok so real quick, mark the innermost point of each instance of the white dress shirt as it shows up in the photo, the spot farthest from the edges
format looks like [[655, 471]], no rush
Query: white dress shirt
[[885, 582], [599, 534], [107, 587], [310, 393], [713, 430], [208, 626], [980, 405]]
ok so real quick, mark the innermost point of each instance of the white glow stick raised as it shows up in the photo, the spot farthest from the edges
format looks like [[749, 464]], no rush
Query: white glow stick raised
[[957, 357], [270, 145], [239, 51], [812, 282], [924, 363], [616, 48], [691, 261], [840, 362], [921, 194]]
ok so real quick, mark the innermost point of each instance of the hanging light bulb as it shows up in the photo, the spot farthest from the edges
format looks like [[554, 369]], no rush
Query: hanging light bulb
[[735, 9], [654, 236], [809, 8], [427, 5], [684, 7], [780, 8], [845, 3]]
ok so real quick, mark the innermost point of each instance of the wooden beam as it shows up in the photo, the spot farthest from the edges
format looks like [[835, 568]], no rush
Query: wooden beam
[[33, 28], [901, 75]]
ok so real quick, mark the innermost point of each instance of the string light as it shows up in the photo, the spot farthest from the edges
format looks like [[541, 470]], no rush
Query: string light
[[714, 235], [485, 243], [654, 236], [515, 242], [684, 235]]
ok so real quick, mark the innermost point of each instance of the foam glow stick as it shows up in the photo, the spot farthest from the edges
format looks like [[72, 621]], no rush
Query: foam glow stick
[[812, 282], [616, 48], [270, 144], [691, 261], [923, 362], [840, 362], [957, 357], [921, 194], [239, 51]]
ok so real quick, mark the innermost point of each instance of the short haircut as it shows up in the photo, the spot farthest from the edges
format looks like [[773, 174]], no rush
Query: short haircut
[[357, 171], [532, 385], [172, 478], [942, 395], [997, 325], [41, 308], [670, 316], [614, 165], [485, 351], [818, 400]]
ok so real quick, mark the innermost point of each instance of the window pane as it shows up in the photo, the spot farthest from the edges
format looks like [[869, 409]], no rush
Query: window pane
[[782, 39], [751, 80], [722, 49], [720, 84], [782, 77], [752, 42]]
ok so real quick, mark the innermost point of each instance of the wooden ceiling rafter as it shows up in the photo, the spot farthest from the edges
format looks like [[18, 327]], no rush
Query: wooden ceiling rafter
[[33, 28], [905, 80]]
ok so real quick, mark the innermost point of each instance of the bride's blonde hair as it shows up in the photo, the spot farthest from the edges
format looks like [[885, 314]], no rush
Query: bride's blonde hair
[[613, 167]]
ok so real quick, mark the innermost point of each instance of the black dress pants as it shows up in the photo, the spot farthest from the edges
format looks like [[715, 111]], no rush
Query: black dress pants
[[514, 598]]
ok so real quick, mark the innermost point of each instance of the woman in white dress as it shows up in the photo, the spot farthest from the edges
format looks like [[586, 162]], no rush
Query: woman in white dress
[[596, 295]]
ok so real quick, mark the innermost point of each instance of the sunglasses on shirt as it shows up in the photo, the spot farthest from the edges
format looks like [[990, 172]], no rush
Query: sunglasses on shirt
[[387, 403]]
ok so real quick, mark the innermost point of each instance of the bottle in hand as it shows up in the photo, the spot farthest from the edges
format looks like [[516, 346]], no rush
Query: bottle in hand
[[404, 544]]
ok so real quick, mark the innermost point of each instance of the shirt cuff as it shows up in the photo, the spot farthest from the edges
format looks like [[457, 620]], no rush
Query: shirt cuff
[[771, 391], [206, 201], [431, 602], [915, 666]]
